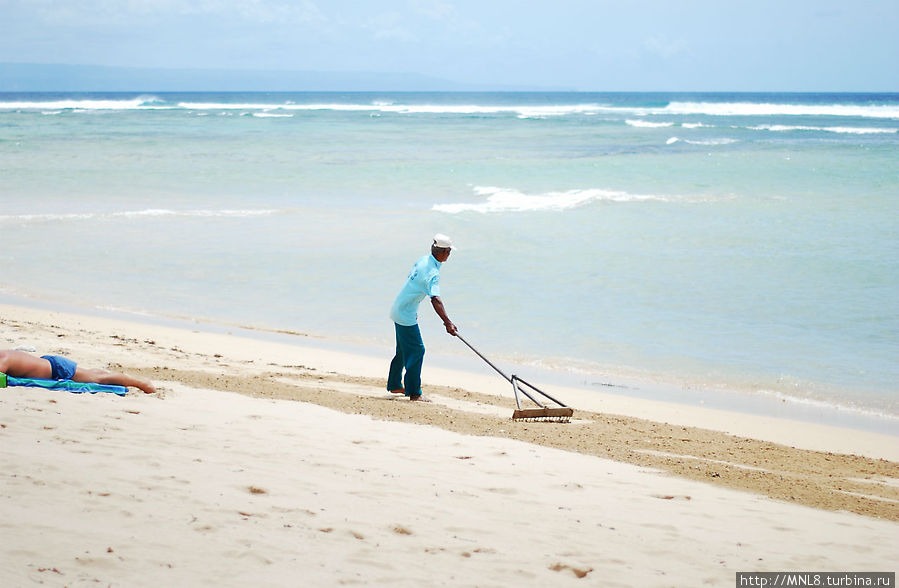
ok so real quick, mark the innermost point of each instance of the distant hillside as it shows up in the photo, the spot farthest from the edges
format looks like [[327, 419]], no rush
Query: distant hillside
[[27, 77]]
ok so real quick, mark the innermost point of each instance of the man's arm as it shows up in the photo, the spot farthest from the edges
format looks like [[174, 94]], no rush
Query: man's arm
[[441, 312]]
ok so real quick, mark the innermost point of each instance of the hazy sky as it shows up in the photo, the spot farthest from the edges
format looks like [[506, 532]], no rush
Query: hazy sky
[[787, 45]]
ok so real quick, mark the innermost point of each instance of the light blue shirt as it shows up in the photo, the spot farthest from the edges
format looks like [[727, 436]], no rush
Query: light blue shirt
[[423, 280]]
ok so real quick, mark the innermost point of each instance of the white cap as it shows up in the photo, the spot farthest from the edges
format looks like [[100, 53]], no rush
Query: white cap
[[442, 241]]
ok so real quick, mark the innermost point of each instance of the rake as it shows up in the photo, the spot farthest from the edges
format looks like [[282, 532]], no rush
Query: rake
[[554, 414]]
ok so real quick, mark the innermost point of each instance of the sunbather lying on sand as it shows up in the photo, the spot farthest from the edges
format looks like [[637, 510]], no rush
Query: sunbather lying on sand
[[19, 364]]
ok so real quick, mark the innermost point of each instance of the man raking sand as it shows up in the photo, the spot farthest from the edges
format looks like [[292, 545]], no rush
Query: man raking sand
[[423, 280]]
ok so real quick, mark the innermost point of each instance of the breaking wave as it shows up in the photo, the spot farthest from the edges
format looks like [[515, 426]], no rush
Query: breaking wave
[[151, 213], [843, 130], [711, 142], [771, 109], [888, 110], [512, 200], [152, 103], [648, 124]]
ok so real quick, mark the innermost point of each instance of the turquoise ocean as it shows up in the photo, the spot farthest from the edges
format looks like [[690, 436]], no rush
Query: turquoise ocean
[[739, 250]]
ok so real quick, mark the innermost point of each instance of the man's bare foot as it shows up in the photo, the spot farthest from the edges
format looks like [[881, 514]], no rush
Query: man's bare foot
[[144, 385], [419, 398], [398, 391]]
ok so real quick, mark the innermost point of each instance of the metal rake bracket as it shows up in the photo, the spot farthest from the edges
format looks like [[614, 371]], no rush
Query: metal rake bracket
[[558, 414]]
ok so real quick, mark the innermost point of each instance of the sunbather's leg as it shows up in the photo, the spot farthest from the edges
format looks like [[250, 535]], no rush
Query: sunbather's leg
[[101, 376]]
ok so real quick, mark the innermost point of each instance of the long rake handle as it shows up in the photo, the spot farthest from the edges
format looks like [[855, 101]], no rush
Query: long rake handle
[[490, 363], [514, 379]]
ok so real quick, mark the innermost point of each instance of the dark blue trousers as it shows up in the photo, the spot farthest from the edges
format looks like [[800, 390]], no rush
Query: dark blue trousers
[[410, 353]]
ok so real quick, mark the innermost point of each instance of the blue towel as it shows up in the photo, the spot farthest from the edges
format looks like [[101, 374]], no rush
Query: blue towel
[[69, 385]]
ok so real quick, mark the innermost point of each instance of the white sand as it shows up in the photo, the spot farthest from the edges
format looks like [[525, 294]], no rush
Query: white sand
[[201, 487], [142, 491]]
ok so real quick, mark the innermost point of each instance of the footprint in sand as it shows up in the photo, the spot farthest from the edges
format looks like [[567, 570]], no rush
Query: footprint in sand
[[506, 491], [579, 572], [671, 497]]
